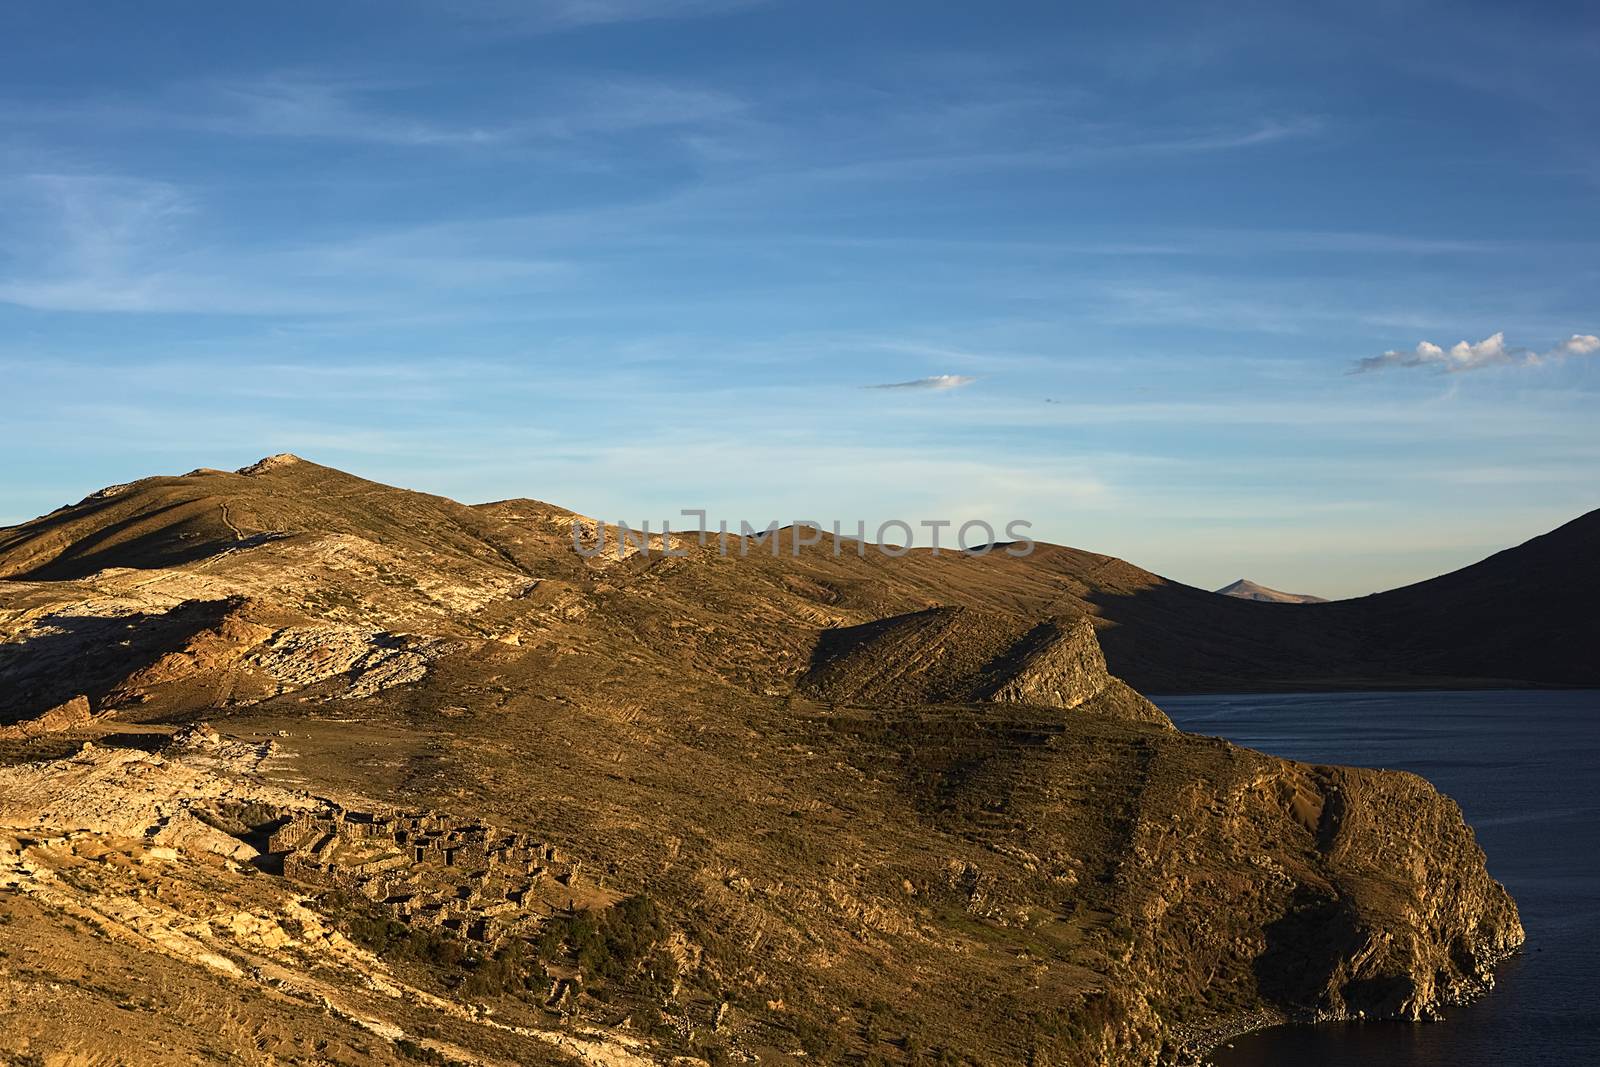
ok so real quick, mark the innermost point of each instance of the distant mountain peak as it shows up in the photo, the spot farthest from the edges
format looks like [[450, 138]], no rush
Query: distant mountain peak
[[1245, 589]]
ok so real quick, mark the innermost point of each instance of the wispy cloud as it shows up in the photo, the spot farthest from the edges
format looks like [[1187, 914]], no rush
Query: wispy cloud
[[546, 16], [936, 383], [108, 243], [1492, 351], [373, 110], [76, 233], [290, 106], [919, 147]]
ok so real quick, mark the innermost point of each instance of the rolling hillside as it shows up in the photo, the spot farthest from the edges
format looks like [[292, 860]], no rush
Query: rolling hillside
[[1524, 616]]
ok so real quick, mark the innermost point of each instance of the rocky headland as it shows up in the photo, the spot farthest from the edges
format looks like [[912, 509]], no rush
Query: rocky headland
[[464, 795]]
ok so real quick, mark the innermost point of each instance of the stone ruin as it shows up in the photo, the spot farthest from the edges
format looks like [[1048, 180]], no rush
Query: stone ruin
[[430, 869]]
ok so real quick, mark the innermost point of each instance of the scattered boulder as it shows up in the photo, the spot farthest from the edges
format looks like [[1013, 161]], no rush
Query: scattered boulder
[[195, 735]]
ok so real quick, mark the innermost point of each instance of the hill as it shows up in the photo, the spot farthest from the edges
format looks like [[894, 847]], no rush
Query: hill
[[1518, 618], [1521, 617], [331, 771], [1245, 589]]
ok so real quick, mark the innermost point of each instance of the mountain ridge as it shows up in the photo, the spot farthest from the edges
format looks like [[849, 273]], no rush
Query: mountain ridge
[[1518, 617]]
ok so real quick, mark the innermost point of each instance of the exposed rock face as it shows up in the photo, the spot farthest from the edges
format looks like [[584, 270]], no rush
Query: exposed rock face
[[1370, 895], [1056, 664], [957, 655], [267, 465], [217, 647], [369, 661], [69, 716], [237, 647], [1426, 935]]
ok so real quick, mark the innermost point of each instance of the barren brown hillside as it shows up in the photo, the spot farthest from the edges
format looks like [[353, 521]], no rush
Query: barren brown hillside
[[467, 796], [1522, 616]]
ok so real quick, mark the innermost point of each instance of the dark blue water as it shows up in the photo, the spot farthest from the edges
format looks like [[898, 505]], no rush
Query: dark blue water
[[1522, 765]]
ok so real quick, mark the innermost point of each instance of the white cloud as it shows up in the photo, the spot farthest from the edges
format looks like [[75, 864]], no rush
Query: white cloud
[[938, 382], [1579, 344], [1464, 356]]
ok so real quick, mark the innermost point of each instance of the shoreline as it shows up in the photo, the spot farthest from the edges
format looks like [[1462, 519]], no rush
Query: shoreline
[[1197, 1043], [1435, 685]]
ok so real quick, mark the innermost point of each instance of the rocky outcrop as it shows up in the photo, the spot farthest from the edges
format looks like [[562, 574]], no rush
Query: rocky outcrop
[[246, 649], [219, 646], [71, 715], [1427, 923], [367, 661], [271, 463], [958, 656], [1329, 893], [1056, 664]]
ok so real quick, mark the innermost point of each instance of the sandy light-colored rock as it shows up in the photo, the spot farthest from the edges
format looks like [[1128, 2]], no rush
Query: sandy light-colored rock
[[71, 715]]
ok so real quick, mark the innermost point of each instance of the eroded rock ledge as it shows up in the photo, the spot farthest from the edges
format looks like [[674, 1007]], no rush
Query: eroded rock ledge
[[1333, 893], [954, 655]]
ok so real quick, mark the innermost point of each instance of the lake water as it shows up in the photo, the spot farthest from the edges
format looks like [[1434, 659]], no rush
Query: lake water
[[1523, 766]]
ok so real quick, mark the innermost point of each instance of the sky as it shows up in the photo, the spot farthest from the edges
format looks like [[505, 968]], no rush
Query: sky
[[1223, 289]]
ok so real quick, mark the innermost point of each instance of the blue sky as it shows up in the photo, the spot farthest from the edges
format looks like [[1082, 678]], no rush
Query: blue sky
[[632, 257]]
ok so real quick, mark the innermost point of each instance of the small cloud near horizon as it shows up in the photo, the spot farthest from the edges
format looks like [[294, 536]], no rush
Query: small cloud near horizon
[[937, 382], [1492, 351]]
